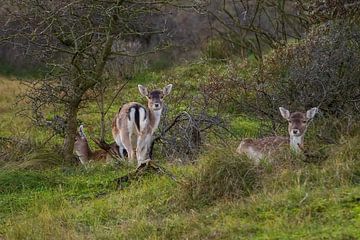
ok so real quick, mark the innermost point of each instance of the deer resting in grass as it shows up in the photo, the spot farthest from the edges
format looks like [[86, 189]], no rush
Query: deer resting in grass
[[85, 154], [135, 119], [257, 149]]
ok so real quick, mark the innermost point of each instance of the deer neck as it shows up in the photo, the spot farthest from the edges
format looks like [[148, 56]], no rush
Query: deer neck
[[84, 152], [296, 143], [154, 119]]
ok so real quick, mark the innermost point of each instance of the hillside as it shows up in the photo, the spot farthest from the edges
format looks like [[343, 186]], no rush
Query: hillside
[[222, 196]]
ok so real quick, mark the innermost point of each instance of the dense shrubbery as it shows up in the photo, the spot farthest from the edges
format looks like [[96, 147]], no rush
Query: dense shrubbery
[[321, 70]]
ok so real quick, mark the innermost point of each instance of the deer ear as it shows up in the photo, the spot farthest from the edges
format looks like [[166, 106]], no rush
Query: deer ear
[[167, 89], [143, 90], [311, 113], [81, 131], [284, 113]]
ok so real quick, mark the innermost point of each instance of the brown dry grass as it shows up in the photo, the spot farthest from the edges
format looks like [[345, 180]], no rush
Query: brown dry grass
[[10, 89]]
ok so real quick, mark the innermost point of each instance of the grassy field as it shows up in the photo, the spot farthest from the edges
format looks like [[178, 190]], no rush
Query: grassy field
[[73, 203], [222, 196]]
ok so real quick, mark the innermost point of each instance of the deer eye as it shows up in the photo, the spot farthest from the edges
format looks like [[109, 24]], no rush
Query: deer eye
[[304, 121]]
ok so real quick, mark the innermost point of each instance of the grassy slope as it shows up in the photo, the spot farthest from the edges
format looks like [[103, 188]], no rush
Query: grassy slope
[[78, 204], [74, 203]]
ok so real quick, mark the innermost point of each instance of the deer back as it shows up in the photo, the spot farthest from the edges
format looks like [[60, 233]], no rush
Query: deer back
[[258, 148]]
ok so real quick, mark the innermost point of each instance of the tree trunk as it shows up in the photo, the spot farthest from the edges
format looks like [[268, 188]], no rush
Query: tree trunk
[[102, 127], [102, 113], [70, 130]]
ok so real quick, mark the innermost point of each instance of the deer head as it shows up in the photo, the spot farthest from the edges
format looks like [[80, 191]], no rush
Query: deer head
[[155, 98], [298, 123]]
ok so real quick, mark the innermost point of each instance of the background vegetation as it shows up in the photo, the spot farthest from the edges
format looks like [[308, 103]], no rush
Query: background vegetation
[[228, 88]]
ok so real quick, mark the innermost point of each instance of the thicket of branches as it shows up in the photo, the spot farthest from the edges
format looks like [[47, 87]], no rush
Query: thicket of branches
[[183, 133], [76, 40], [79, 41], [255, 26], [321, 70]]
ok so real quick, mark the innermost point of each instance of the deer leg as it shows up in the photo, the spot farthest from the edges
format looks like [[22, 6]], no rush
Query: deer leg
[[121, 150], [120, 145], [126, 143], [142, 147]]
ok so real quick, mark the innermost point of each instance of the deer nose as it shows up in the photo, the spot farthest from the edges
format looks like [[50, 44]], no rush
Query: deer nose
[[295, 131], [156, 105]]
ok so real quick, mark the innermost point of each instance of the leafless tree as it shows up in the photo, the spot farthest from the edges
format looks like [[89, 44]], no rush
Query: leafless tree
[[257, 25], [76, 39], [323, 10]]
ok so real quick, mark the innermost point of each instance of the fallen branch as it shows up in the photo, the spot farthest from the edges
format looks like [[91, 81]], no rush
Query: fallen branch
[[156, 139], [107, 148], [141, 170], [192, 132]]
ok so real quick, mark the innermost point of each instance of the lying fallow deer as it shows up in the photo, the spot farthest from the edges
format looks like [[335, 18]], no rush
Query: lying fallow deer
[[84, 153], [144, 120], [257, 149]]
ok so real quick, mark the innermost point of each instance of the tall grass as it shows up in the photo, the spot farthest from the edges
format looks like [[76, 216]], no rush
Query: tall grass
[[222, 174]]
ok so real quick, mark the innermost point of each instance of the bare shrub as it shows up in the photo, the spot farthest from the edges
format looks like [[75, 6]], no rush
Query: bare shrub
[[321, 70], [257, 25], [185, 129], [323, 10]]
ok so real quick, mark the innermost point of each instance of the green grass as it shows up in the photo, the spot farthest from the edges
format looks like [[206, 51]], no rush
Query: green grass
[[245, 127], [224, 196], [220, 196], [84, 204]]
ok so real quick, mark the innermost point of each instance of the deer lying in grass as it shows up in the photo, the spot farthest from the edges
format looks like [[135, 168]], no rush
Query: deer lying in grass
[[257, 149], [85, 154], [144, 120]]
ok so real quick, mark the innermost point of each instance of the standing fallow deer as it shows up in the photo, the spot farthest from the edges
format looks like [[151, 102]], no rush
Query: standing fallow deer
[[144, 120], [257, 149], [85, 154]]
